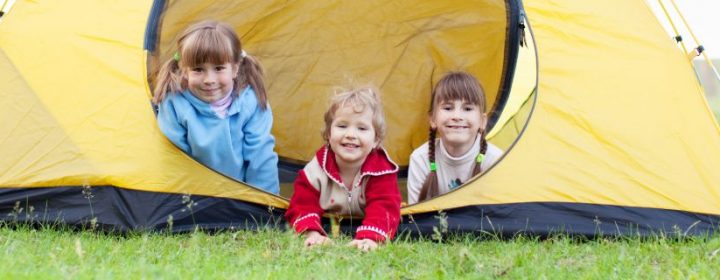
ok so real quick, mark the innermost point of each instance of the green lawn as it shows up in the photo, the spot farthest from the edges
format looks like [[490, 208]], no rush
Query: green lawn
[[271, 254]]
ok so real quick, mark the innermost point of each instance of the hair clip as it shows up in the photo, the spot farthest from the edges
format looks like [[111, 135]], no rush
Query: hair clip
[[433, 166], [479, 158], [176, 56], [243, 54]]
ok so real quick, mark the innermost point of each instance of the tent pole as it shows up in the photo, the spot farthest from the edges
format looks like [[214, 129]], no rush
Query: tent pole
[[2, 9], [699, 50], [678, 38]]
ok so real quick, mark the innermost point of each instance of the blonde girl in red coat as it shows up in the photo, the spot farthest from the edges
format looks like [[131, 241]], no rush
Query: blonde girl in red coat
[[351, 175]]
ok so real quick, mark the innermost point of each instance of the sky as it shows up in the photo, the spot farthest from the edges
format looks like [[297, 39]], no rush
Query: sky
[[703, 16]]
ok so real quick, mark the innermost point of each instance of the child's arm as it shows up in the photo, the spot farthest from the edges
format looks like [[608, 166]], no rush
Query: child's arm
[[171, 126], [304, 211], [382, 209], [261, 170]]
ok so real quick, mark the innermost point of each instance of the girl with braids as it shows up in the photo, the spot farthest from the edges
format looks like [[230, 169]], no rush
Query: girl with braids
[[457, 112], [212, 104], [351, 175]]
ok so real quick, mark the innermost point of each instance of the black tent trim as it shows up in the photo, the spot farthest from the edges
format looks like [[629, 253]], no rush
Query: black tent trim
[[546, 218], [151, 31], [512, 49], [124, 210]]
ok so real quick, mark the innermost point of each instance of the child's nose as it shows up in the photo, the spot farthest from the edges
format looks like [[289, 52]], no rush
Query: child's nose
[[209, 78], [456, 115], [350, 133]]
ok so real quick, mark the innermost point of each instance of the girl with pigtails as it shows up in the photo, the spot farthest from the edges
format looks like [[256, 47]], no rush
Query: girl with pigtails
[[457, 113], [212, 104]]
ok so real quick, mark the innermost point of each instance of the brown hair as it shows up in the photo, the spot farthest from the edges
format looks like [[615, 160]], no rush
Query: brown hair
[[452, 86], [213, 42], [360, 99]]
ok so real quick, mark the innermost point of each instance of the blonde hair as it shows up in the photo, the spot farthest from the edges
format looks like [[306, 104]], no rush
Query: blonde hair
[[452, 86], [359, 99], [209, 42]]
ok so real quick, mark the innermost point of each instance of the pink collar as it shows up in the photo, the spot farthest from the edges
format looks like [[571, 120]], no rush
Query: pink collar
[[221, 106]]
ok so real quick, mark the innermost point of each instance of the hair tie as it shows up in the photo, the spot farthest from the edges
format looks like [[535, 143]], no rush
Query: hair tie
[[243, 54], [433, 166], [176, 56], [480, 158]]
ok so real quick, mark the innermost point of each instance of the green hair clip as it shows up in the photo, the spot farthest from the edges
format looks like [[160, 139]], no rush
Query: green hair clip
[[176, 56], [433, 166], [480, 158]]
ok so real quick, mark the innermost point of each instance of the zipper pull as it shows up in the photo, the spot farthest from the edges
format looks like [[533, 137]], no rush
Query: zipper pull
[[523, 42], [349, 197]]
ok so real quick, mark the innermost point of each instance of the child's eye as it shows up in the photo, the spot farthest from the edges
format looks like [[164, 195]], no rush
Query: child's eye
[[362, 128], [220, 68], [469, 108], [197, 69], [341, 126], [446, 107]]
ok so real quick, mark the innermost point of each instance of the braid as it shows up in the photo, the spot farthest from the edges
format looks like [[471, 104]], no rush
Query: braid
[[430, 187], [483, 150], [431, 146]]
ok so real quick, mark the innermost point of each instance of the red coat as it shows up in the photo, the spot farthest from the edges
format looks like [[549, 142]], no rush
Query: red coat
[[319, 189]]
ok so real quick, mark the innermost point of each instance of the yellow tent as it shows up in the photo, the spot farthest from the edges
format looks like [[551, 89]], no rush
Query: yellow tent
[[604, 125]]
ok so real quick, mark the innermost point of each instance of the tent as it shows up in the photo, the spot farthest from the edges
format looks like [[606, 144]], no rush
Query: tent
[[604, 125]]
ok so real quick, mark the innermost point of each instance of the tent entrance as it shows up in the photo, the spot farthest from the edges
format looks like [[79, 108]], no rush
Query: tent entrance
[[309, 48]]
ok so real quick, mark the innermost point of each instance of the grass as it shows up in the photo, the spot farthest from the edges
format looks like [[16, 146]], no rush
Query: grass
[[271, 254]]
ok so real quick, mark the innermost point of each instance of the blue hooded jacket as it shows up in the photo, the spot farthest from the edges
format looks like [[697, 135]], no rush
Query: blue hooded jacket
[[239, 146]]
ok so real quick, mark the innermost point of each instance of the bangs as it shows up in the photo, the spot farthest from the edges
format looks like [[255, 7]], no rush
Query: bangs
[[459, 86], [359, 100], [466, 94], [207, 46]]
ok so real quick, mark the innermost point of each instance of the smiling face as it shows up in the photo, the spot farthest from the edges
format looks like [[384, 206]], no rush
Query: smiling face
[[458, 123], [211, 82], [352, 135]]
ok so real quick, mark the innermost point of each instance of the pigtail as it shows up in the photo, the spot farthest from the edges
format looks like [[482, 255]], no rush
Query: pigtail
[[430, 187], [481, 156], [251, 73], [168, 79]]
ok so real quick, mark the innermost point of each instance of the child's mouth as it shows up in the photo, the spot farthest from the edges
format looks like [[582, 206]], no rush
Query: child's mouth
[[349, 146]]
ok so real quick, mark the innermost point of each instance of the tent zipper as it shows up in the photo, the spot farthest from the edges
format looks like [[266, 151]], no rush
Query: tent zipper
[[521, 26]]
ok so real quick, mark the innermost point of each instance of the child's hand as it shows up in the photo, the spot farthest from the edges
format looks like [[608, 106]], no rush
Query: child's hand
[[364, 244], [313, 238]]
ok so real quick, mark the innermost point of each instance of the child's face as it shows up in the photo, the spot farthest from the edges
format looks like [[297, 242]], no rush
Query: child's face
[[458, 123], [211, 82], [352, 136]]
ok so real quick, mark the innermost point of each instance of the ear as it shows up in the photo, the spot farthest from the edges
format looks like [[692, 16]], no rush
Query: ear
[[483, 121], [235, 69], [433, 125], [183, 78]]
